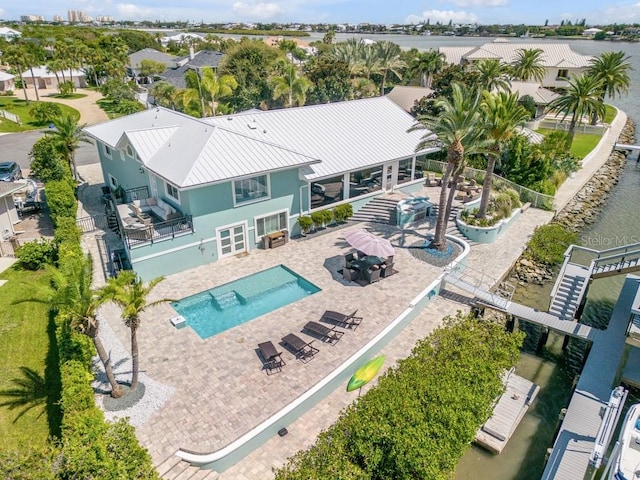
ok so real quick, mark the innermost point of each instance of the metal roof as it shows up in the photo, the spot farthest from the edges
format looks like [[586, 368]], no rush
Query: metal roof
[[557, 55], [346, 136], [406, 96], [151, 54], [7, 188], [188, 151], [5, 76], [541, 95]]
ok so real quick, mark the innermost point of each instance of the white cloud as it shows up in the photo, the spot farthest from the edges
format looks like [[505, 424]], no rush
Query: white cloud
[[130, 11], [443, 16], [2, 12], [257, 10], [479, 3]]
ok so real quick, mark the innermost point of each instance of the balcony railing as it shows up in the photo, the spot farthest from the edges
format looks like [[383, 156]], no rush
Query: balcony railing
[[136, 193], [155, 232]]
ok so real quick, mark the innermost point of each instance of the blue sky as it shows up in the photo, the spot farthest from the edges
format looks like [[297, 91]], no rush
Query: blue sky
[[339, 11]]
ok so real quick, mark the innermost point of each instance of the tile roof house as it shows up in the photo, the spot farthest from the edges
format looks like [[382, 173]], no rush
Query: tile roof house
[[223, 183], [560, 61]]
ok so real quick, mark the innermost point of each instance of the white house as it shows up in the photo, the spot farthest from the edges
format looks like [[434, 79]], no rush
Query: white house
[[591, 32], [9, 33], [44, 78], [6, 81], [560, 61]]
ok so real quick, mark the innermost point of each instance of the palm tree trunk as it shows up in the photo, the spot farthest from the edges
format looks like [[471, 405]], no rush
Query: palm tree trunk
[[134, 358], [572, 129], [72, 166], [452, 193], [24, 89], [486, 187], [35, 86], [116, 390], [439, 241]]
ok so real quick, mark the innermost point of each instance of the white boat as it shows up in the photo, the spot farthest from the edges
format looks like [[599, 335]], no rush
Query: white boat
[[627, 464]]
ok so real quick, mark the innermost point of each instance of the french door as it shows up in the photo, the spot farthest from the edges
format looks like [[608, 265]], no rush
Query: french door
[[232, 240]]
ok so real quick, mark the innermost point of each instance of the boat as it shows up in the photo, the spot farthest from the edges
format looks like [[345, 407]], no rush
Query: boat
[[627, 463]]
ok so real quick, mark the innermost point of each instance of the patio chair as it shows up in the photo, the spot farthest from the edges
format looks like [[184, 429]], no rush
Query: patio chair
[[431, 180], [348, 258], [301, 349], [346, 321], [350, 275], [326, 334], [372, 276], [272, 358], [387, 270]]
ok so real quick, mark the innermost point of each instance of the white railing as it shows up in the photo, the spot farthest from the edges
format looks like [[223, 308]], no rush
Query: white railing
[[12, 117]]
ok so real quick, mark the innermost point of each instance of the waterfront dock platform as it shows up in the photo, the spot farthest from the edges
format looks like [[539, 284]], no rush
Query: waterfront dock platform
[[518, 396], [574, 444]]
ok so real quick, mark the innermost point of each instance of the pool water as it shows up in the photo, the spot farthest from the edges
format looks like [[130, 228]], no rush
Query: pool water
[[232, 304]]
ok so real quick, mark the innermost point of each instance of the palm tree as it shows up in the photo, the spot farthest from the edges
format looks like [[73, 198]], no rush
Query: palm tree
[[612, 70], [129, 292], [68, 135], [502, 115], [290, 85], [72, 296], [580, 99], [217, 87], [492, 74], [459, 128], [164, 94], [389, 60], [14, 57], [528, 65], [426, 64]]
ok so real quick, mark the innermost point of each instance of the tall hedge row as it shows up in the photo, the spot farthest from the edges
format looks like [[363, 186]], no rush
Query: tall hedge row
[[423, 414], [90, 447]]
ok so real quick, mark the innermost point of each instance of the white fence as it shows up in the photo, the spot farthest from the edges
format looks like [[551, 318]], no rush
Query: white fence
[[10, 116]]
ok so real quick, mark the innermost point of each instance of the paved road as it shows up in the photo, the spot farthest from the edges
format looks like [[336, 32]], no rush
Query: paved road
[[16, 147]]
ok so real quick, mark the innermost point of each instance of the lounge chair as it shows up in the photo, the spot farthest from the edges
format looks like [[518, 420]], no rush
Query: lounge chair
[[301, 349], [272, 358], [346, 321], [326, 334], [431, 180]]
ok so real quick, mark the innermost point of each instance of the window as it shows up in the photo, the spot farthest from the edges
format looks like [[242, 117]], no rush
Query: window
[[173, 192], [129, 151], [251, 189], [271, 223], [107, 150], [113, 181], [562, 74]]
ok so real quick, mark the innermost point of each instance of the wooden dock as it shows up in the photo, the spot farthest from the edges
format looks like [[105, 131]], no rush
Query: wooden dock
[[507, 414]]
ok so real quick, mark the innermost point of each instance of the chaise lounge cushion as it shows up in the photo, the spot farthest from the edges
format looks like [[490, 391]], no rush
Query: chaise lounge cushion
[[157, 206]]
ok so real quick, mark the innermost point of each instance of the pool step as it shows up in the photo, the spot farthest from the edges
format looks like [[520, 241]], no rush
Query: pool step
[[225, 300], [174, 468]]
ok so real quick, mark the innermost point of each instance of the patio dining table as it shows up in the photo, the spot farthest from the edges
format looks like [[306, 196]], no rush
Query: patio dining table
[[366, 262]]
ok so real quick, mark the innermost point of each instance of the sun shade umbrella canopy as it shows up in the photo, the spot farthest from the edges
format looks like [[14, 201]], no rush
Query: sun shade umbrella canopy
[[365, 373], [368, 243]]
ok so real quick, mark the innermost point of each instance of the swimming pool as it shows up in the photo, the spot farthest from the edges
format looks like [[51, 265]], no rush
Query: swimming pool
[[232, 304]]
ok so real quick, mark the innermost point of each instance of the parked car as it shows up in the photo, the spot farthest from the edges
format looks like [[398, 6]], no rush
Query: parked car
[[10, 171]]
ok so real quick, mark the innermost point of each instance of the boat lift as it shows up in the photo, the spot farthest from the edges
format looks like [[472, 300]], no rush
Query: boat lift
[[610, 418]]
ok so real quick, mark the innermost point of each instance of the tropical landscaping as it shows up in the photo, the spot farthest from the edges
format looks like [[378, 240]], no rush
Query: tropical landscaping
[[475, 121]]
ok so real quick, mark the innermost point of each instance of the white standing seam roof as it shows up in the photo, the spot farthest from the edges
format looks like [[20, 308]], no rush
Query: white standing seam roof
[[346, 136], [44, 72], [541, 95], [188, 152], [4, 76], [557, 55]]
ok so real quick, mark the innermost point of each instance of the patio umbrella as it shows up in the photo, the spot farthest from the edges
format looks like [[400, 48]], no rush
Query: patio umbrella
[[365, 373], [368, 243]]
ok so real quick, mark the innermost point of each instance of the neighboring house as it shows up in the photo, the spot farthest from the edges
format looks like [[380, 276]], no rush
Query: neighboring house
[[135, 60], [44, 78], [542, 96], [406, 96], [195, 61], [9, 33], [560, 61], [6, 81], [8, 214], [591, 32], [221, 184], [181, 38]]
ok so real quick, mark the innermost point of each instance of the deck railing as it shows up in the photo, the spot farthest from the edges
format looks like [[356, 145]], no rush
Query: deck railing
[[93, 223], [157, 231]]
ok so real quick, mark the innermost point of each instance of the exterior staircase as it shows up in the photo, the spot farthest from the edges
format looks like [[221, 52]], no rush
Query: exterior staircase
[[378, 210], [174, 468], [566, 300]]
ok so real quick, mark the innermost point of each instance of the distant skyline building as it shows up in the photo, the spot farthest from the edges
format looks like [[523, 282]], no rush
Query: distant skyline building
[[58, 18], [31, 18], [78, 16], [105, 19]]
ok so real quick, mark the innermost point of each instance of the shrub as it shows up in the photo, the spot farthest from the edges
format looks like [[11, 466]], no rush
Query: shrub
[[317, 218], [549, 242], [66, 88], [45, 112], [342, 212], [326, 216], [36, 254], [61, 200], [514, 196], [305, 223], [529, 103], [47, 164]]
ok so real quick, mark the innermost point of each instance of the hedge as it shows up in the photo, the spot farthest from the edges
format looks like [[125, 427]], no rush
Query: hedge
[[61, 200], [423, 414]]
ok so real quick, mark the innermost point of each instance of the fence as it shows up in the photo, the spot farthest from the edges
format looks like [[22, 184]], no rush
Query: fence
[[91, 224], [538, 200], [11, 116]]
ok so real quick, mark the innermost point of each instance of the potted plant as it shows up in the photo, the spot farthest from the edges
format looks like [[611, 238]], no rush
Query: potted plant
[[305, 223], [317, 219], [327, 216], [339, 214]]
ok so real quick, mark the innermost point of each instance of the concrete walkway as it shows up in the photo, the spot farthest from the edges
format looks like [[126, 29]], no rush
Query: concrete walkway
[[221, 391]]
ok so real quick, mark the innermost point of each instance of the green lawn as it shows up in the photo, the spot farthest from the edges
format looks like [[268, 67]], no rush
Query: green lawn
[[109, 106], [610, 114], [71, 96], [19, 107], [582, 144], [27, 340]]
